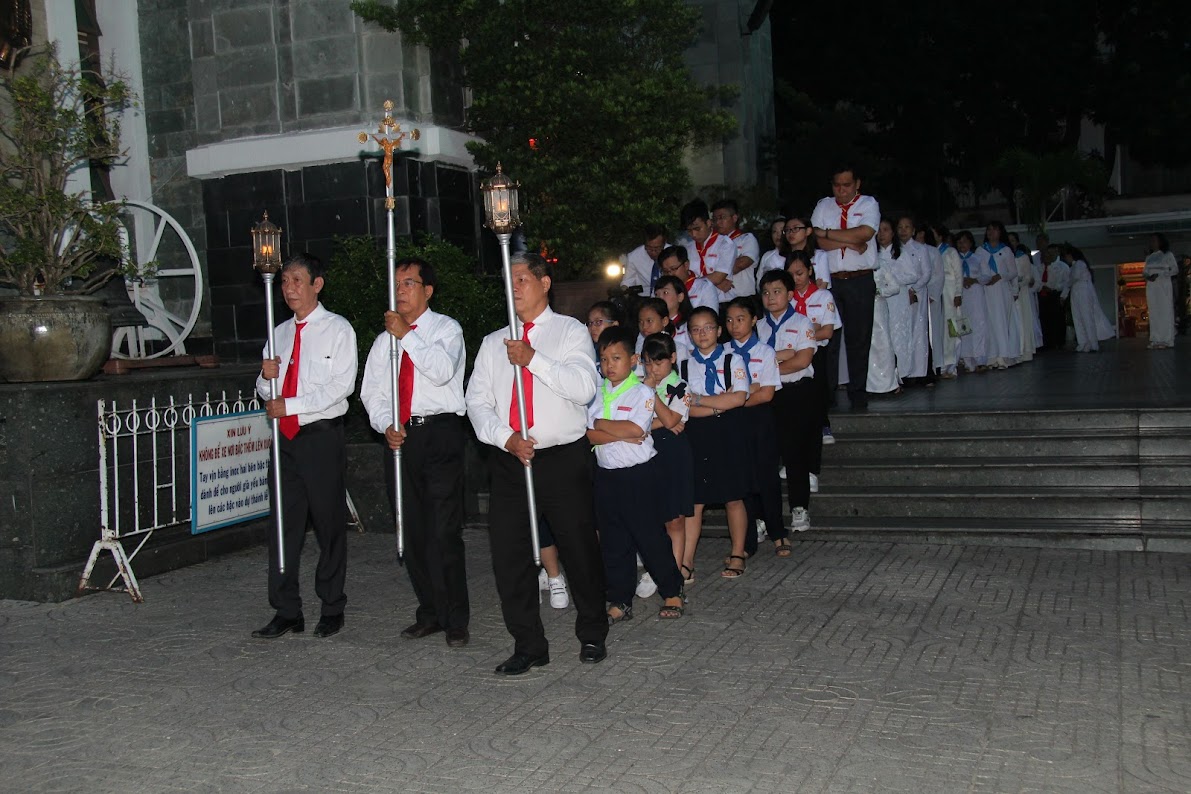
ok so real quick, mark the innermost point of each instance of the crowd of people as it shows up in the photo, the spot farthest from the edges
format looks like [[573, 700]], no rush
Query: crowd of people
[[718, 386]]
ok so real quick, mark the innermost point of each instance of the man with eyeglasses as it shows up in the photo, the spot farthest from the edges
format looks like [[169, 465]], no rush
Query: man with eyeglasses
[[725, 217], [641, 264], [430, 433], [699, 291], [844, 225]]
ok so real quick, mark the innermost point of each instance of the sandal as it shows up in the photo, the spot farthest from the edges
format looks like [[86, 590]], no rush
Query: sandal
[[670, 611], [733, 573], [688, 575], [626, 613], [782, 548], [728, 559]]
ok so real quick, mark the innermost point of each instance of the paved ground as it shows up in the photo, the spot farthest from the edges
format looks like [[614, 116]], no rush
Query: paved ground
[[1123, 374], [851, 667]]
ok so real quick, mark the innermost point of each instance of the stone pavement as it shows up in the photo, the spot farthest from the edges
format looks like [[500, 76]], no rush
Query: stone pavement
[[860, 667]]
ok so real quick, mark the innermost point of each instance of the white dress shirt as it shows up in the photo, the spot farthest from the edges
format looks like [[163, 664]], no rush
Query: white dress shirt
[[638, 268], [821, 310], [1058, 275], [436, 351], [794, 332], [770, 260], [565, 380], [702, 292], [635, 404], [745, 282], [762, 364], [736, 380], [865, 212], [326, 369], [719, 255]]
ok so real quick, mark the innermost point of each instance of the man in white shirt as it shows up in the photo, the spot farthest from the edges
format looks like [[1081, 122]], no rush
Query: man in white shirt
[[316, 363], [712, 255], [1054, 276], [641, 265], [844, 225], [699, 291], [429, 432], [559, 376], [725, 216]]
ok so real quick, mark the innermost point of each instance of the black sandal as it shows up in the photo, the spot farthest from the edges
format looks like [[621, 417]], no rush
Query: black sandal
[[733, 573], [669, 612], [688, 576], [626, 613]]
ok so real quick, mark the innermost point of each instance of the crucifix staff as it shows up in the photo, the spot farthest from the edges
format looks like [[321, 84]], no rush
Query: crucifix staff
[[388, 144], [502, 216]]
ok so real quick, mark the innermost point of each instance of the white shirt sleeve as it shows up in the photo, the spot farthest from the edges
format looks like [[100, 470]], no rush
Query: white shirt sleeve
[[490, 427], [376, 388]]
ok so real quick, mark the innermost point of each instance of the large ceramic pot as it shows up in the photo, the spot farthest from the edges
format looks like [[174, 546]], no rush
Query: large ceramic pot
[[54, 337]]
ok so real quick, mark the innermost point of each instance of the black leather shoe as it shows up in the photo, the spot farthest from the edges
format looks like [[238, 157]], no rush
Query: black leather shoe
[[519, 663], [457, 638], [591, 653], [328, 625], [279, 625], [419, 630]]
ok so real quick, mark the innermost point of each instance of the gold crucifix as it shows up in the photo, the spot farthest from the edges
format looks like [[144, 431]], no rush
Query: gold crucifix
[[388, 125]]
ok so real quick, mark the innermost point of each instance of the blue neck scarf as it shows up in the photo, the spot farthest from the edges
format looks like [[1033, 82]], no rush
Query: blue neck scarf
[[710, 381], [992, 258], [964, 259], [773, 326], [943, 248], [743, 352]]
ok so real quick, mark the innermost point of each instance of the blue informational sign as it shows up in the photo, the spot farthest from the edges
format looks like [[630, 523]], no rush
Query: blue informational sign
[[229, 469]]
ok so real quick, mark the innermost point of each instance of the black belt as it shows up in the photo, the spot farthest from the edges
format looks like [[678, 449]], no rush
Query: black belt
[[844, 275], [321, 425], [419, 421]]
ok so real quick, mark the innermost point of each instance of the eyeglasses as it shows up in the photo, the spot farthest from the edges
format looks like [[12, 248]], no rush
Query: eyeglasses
[[408, 283], [598, 323], [703, 329], [796, 229]]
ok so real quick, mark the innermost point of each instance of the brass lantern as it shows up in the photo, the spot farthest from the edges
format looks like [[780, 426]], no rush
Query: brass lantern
[[500, 203], [266, 245]]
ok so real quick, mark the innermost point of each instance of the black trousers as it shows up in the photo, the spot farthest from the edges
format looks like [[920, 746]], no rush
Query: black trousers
[[1052, 316], [765, 501], [855, 298], [432, 496], [630, 525], [821, 363], [312, 489], [800, 436], [831, 371], [562, 486]]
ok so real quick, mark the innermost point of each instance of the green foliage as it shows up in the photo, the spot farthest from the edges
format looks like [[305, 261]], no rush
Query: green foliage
[[1038, 179], [357, 279], [601, 89], [54, 121]]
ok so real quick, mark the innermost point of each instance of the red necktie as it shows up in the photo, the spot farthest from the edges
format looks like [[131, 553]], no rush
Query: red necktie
[[289, 388], [1045, 269], [527, 385], [405, 386], [843, 217]]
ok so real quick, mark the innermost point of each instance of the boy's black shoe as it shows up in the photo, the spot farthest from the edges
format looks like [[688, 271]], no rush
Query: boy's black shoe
[[519, 663], [328, 625], [279, 625], [592, 652]]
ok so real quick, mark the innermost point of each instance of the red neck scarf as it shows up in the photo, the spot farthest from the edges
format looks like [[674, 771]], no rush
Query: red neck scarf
[[800, 300], [702, 249], [843, 217]]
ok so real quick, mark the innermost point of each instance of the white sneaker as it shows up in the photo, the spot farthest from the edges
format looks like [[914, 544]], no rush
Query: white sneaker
[[828, 438], [814, 483], [646, 587], [782, 472], [800, 519], [761, 530], [559, 598], [543, 579]]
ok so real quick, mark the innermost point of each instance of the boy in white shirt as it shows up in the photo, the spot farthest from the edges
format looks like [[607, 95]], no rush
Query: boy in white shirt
[[618, 424], [725, 216], [711, 254]]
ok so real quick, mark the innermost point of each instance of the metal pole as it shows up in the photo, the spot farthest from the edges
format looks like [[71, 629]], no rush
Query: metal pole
[[276, 423], [398, 491], [519, 388]]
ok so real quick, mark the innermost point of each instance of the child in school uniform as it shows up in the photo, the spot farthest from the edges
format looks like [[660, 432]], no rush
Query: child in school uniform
[[764, 501], [719, 387], [601, 316], [652, 318], [675, 495], [679, 308], [818, 305], [796, 406], [618, 422]]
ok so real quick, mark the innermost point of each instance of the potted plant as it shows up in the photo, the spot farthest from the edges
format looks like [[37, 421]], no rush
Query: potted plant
[[56, 244]]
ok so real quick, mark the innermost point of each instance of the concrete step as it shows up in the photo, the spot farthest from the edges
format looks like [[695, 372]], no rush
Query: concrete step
[[972, 444], [1026, 474], [877, 422], [1164, 420]]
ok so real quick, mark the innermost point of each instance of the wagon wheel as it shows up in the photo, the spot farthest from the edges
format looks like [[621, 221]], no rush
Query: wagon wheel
[[159, 253]]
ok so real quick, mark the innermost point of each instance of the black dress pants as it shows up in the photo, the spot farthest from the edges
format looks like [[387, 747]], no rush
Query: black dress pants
[[765, 500], [432, 496], [1052, 316], [855, 298], [563, 488], [312, 489], [800, 436], [630, 525]]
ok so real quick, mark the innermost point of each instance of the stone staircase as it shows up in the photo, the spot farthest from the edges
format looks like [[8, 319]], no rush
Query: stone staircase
[[1097, 478]]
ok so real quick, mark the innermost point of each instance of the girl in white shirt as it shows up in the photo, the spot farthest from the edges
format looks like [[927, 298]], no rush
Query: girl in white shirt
[[671, 290]]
